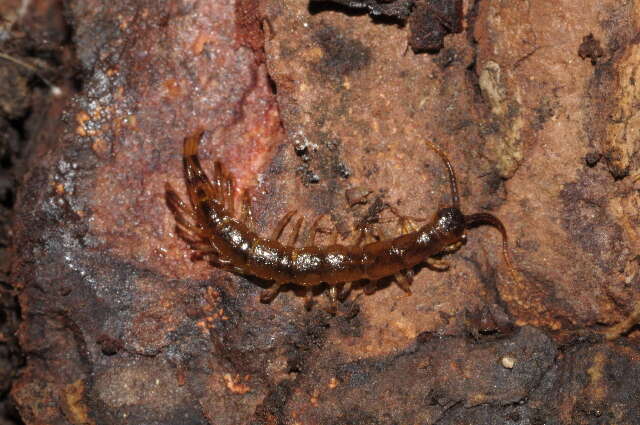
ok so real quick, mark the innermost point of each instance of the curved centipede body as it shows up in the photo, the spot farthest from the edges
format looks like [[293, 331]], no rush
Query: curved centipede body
[[211, 227]]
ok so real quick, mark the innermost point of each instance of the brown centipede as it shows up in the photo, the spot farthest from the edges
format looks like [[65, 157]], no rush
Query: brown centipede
[[213, 231]]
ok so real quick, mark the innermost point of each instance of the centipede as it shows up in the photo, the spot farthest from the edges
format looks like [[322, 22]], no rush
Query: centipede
[[225, 236]]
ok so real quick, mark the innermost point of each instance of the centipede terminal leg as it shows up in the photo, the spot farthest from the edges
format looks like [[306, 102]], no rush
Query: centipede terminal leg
[[485, 218], [198, 184]]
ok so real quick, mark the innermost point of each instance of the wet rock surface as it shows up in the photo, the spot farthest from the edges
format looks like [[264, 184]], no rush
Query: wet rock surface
[[303, 105]]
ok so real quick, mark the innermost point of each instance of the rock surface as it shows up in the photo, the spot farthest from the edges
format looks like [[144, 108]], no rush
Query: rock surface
[[121, 327]]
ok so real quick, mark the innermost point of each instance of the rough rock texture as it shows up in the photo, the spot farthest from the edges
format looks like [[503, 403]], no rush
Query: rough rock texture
[[34, 54], [429, 21], [120, 327]]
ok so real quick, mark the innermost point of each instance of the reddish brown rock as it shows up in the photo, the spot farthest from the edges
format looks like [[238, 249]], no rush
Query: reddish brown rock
[[120, 327]]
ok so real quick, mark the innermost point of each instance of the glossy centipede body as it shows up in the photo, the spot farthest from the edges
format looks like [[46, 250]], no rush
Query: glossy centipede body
[[215, 232]]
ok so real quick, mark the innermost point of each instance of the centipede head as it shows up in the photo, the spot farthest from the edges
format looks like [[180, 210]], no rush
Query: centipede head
[[451, 222]]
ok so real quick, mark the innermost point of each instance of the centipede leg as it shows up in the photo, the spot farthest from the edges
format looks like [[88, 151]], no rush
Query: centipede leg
[[218, 175], [181, 212], [310, 237], [407, 224], [345, 291], [204, 247], [455, 246], [370, 287], [201, 255], [308, 299], [402, 279], [229, 187], [188, 235], [268, 295], [277, 232], [404, 282], [191, 226], [443, 265], [190, 229], [246, 214], [438, 264], [334, 238], [221, 178], [175, 204], [333, 300], [296, 232], [367, 234]]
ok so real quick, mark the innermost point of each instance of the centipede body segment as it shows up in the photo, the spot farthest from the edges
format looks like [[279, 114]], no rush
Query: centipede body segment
[[227, 239]]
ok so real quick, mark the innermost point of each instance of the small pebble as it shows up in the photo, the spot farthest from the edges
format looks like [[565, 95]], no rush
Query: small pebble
[[508, 362]]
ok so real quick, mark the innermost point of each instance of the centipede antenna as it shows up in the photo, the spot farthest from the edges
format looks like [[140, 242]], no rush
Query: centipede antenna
[[491, 220], [453, 182]]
